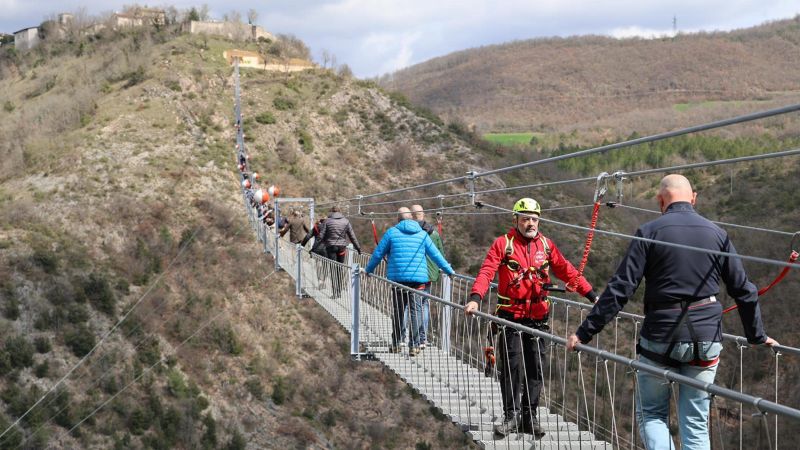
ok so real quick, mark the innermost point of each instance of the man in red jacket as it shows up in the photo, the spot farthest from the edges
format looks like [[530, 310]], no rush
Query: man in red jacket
[[523, 257]]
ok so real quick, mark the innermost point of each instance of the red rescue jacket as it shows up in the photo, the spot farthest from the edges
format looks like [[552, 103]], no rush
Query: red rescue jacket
[[520, 292]]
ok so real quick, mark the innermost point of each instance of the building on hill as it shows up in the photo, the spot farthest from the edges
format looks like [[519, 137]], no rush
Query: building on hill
[[273, 64], [26, 38], [230, 30], [65, 19], [138, 17]]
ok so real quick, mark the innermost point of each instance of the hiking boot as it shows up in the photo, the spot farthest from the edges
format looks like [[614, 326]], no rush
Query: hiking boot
[[509, 425], [414, 351], [530, 425], [394, 349]]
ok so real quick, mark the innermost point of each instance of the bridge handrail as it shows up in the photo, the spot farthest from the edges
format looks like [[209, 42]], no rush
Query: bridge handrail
[[761, 404], [740, 340]]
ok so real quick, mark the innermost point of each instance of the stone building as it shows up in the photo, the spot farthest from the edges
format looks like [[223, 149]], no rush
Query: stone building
[[272, 64], [230, 30], [26, 38], [138, 17]]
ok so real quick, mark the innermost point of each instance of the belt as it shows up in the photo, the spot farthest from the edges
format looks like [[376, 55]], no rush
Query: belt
[[514, 301], [657, 306]]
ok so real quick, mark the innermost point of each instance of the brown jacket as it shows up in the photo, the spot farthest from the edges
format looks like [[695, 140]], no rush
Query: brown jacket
[[297, 229]]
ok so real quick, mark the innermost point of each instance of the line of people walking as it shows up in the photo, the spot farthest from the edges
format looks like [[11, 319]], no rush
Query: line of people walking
[[681, 330]]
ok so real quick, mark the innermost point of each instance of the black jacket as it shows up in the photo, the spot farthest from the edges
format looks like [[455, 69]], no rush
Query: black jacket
[[336, 230], [673, 275]]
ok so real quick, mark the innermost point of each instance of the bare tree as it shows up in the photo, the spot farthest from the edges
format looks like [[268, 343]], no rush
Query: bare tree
[[400, 158], [203, 12], [325, 58], [171, 14], [345, 71], [252, 16]]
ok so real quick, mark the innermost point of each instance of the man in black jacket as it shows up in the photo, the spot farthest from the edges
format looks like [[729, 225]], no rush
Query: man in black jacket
[[682, 326], [334, 233]]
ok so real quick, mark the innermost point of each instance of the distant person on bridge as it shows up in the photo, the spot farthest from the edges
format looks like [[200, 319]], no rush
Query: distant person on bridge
[[682, 325], [319, 246], [418, 213], [523, 257], [407, 245], [334, 233], [296, 227]]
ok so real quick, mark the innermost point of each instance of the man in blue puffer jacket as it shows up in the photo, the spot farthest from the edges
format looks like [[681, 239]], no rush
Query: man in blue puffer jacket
[[406, 245]]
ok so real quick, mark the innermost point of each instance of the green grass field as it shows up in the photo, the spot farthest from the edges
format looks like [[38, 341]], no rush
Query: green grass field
[[511, 139], [683, 107]]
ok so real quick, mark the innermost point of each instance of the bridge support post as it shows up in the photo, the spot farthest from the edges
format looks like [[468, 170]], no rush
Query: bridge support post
[[447, 312], [355, 300], [298, 280], [277, 237], [265, 240]]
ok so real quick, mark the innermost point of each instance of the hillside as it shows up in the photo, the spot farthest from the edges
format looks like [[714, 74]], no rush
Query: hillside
[[118, 188], [120, 200], [605, 87]]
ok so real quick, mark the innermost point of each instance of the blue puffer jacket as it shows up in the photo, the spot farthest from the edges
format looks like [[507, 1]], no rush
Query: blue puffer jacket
[[407, 244]]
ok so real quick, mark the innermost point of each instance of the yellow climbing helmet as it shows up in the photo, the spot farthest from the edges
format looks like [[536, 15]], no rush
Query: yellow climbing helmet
[[527, 205]]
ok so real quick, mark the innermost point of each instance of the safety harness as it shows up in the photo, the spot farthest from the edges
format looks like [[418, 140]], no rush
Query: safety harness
[[665, 358], [792, 259], [535, 274]]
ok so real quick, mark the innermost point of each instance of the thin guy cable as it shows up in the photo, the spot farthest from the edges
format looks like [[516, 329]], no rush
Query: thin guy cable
[[109, 400], [495, 213], [734, 225], [749, 158], [761, 156], [107, 372], [657, 242], [390, 213], [601, 149], [652, 138], [102, 340]]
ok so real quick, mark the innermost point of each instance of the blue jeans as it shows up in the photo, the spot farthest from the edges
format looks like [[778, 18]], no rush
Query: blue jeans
[[405, 300], [425, 312], [652, 405]]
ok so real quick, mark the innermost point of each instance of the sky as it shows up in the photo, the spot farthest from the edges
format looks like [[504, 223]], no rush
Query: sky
[[375, 37]]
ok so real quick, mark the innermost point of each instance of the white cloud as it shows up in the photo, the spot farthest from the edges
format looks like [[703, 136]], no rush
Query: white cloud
[[634, 31], [373, 36]]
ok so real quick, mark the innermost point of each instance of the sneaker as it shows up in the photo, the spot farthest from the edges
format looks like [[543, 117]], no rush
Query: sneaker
[[423, 345], [530, 425], [414, 351], [509, 425]]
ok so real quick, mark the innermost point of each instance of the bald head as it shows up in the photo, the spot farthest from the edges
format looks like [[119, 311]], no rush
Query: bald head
[[403, 213], [674, 188], [418, 213]]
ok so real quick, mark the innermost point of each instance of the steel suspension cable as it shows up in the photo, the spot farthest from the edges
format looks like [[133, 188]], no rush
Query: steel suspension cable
[[726, 224], [105, 336], [657, 242], [147, 370], [594, 150]]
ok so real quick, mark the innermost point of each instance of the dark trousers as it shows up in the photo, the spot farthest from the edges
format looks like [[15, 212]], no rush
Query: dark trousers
[[519, 363], [336, 253]]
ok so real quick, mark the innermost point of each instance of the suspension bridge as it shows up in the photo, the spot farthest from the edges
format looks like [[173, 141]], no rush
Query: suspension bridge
[[588, 397]]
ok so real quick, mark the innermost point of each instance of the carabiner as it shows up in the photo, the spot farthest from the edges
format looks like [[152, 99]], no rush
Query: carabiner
[[601, 187], [795, 240]]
